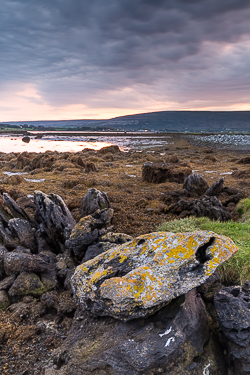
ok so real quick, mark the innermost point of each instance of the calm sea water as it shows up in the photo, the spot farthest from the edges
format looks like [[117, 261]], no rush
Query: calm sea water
[[65, 143]]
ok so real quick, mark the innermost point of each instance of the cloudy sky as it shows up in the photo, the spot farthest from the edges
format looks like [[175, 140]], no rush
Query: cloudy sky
[[71, 59]]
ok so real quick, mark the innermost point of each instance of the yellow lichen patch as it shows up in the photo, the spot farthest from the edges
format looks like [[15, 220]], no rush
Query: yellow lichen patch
[[159, 266]]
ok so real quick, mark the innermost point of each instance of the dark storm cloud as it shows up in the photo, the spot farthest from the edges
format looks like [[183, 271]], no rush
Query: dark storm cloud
[[74, 50]]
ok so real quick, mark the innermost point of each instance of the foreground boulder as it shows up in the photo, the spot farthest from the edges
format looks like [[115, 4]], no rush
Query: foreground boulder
[[169, 342], [137, 279], [162, 172]]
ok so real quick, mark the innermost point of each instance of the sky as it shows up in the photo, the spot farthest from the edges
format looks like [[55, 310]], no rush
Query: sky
[[97, 59]]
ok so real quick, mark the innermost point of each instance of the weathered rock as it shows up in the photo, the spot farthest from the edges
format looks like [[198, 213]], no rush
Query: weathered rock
[[27, 284], [215, 188], [195, 185], [4, 300], [232, 305], [22, 230], [175, 341], [7, 282], [86, 231], [93, 201], [162, 172], [6, 238], [20, 262], [138, 278], [97, 249], [210, 207], [3, 250], [15, 209], [117, 238], [55, 217]]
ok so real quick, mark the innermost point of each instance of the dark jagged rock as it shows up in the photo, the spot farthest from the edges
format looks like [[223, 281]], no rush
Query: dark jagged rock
[[210, 207], [168, 342], [97, 249], [20, 262], [27, 284], [116, 238], [57, 221], [195, 185], [93, 201], [3, 250], [216, 188], [232, 305], [7, 282], [15, 209], [162, 172], [22, 230], [6, 238], [87, 230]]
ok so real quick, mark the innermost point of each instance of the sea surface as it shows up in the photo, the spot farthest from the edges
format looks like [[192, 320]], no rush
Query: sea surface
[[74, 143]]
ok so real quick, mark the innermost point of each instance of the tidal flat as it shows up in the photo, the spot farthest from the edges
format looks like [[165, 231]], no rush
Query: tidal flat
[[31, 327]]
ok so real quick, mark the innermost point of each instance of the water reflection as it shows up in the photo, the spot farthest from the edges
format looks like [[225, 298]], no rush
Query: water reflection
[[11, 144]]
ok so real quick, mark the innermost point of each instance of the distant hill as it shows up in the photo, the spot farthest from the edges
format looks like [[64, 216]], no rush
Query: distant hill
[[168, 121], [181, 121]]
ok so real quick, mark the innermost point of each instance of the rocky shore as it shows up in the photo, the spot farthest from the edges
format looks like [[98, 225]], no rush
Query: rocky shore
[[84, 289]]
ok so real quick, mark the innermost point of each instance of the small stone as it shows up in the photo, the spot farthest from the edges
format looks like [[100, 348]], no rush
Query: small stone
[[27, 284]]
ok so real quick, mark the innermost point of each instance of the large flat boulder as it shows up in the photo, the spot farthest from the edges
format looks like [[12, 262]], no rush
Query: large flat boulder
[[137, 278]]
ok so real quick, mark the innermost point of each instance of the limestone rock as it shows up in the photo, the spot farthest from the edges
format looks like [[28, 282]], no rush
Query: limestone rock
[[161, 172], [86, 231], [55, 217], [215, 188], [210, 207], [20, 262], [93, 201], [15, 209], [27, 284], [138, 278], [22, 230], [195, 185], [7, 282]]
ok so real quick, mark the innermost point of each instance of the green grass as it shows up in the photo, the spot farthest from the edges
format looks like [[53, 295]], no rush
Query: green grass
[[237, 269]]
